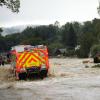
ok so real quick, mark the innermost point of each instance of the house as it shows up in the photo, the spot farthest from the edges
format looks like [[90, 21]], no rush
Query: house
[[60, 52]]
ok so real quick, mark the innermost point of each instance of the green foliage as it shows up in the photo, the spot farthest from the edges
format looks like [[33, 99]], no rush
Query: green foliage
[[87, 40], [78, 30], [1, 30], [95, 49], [2, 44], [90, 36], [70, 53], [69, 37], [14, 5]]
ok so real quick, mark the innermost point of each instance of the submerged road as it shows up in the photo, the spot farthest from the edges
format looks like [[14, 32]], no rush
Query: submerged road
[[69, 80]]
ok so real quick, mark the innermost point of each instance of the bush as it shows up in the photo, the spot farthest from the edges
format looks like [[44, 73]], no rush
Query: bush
[[70, 53], [81, 53], [95, 49]]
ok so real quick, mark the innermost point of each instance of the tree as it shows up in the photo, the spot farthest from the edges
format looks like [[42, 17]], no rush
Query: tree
[[2, 44], [64, 31], [69, 37], [1, 30], [87, 41], [72, 37], [14, 5], [95, 49], [96, 28], [78, 30], [98, 9]]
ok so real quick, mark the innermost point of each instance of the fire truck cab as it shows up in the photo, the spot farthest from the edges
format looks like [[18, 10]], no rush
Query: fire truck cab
[[27, 60]]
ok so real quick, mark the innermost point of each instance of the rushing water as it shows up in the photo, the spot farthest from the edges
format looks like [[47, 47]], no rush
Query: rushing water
[[69, 80]]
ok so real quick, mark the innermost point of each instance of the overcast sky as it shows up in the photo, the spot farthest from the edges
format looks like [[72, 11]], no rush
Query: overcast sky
[[49, 11]]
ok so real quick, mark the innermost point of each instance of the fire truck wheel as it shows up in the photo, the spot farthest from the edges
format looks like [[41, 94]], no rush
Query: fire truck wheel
[[43, 74], [22, 76]]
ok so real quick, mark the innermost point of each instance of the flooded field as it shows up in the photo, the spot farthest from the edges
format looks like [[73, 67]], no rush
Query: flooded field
[[69, 79]]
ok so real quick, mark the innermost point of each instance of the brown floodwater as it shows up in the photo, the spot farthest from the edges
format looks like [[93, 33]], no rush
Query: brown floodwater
[[68, 79]]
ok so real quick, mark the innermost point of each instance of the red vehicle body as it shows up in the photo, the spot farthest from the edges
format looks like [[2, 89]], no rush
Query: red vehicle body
[[31, 60]]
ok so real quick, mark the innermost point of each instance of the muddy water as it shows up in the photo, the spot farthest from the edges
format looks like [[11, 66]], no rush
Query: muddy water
[[68, 80]]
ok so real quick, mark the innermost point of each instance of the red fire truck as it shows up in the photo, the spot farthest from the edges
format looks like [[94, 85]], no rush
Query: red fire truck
[[28, 60]]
